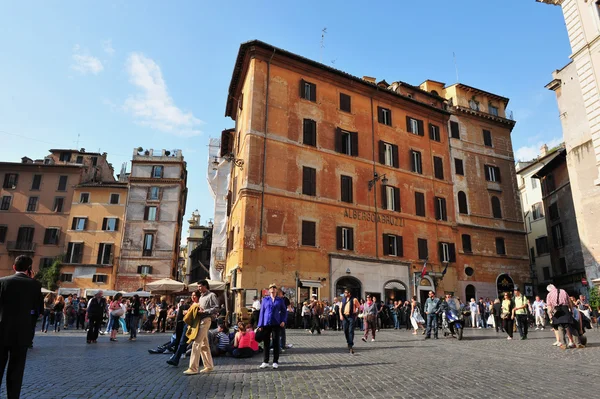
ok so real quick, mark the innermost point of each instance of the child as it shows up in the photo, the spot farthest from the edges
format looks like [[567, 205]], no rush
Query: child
[[223, 344]]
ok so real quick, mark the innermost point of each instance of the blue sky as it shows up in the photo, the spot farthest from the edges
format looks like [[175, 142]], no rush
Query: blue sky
[[155, 74]]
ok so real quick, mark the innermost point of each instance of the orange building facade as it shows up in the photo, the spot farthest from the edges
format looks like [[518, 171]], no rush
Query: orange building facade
[[352, 185]]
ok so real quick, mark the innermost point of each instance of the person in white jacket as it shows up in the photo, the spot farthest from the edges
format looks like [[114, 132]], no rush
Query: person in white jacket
[[539, 311]]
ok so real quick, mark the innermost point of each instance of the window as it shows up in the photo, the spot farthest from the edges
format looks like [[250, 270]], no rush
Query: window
[[562, 265], [99, 278], [345, 103], [553, 211], [541, 245], [496, 208], [346, 189], [392, 245], [309, 136], [447, 252], [492, 110], [74, 252], [466, 243], [440, 209], [345, 238], [66, 277], [309, 181], [157, 172], [557, 236], [346, 142], [434, 132], [58, 204], [492, 173], [537, 211], [500, 249], [79, 224], [94, 161], [110, 224], [51, 236], [458, 166], [37, 181], [230, 241], [414, 126], [532, 255], [419, 203], [308, 91], [438, 168], [309, 233], [454, 130], [10, 180], [32, 204], [388, 154], [548, 184], [65, 157], [546, 272], [144, 269], [423, 250], [390, 198], [415, 159], [3, 230], [534, 182], [150, 213], [79, 159], [462, 203], [148, 244], [153, 193], [104, 254], [84, 198], [114, 199], [487, 138], [62, 183], [46, 262], [25, 237], [384, 115], [5, 205]]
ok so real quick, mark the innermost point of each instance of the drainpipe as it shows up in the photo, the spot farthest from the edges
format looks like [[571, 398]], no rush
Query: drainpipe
[[264, 168], [374, 186]]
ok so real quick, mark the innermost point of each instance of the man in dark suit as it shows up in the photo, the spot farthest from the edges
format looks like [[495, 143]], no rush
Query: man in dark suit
[[19, 294]]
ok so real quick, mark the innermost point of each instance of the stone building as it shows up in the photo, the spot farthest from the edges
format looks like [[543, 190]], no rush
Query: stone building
[[577, 92], [198, 251], [153, 218], [351, 183]]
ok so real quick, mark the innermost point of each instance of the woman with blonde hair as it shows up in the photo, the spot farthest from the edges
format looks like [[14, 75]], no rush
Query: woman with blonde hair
[[59, 306], [48, 309]]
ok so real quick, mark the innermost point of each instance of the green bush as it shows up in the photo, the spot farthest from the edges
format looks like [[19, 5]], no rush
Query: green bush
[[50, 275], [594, 298]]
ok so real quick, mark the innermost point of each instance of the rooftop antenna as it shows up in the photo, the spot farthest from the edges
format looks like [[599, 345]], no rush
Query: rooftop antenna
[[323, 32], [77, 142], [455, 66]]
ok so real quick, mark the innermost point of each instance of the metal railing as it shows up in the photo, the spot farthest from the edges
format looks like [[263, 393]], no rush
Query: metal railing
[[22, 246]]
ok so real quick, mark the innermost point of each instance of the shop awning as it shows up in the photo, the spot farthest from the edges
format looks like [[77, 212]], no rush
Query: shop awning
[[105, 292], [395, 285], [67, 291], [311, 283]]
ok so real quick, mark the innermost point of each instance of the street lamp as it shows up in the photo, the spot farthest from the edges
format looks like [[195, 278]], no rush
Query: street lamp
[[229, 158], [377, 177]]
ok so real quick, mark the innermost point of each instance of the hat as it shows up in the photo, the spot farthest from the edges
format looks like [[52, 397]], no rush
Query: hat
[[273, 285], [314, 295]]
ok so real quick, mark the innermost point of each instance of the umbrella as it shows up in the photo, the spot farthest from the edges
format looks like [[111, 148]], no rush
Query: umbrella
[[45, 291], [141, 294], [165, 285]]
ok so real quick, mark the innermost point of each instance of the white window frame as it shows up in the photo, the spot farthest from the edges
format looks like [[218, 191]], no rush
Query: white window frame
[[388, 154], [445, 252], [414, 126], [108, 220], [101, 248], [145, 269], [534, 184], [152, 215], [386, 116], [79, 219], [307, 93], [347, 139], [70, 256], [95, 278], [393, 245], [88, 199], [157, 193], [418, 165], [345, 238], [492, 173], [390, 199]]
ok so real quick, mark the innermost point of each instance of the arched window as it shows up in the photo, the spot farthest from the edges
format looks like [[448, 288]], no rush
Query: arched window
[[435, 93], [496, 208], [462, 203]]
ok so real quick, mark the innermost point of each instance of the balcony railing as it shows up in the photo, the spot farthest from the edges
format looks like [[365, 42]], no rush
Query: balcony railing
[[20, 246]]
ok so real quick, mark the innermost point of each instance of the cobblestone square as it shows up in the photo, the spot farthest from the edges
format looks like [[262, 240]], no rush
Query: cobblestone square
[[397, 365]]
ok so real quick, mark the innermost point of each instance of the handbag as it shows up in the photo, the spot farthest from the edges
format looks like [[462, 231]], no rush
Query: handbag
[[117, 312], [259, 335]]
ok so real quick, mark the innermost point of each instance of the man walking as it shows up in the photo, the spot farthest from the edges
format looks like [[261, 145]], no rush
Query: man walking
[[348, 312], [273, 315], [431, 307], [19, 295], [255, 311], [539, 312], [520, 311], [316, 311], [95, 311]]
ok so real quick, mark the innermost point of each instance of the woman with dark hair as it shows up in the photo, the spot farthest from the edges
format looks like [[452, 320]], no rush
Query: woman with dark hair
[[162, 314], [48, 309], [59, 306], [135, 315], [244, 343], [116, 311]]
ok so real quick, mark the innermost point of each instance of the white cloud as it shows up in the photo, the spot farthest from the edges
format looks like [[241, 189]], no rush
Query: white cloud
[[107, 47], [84, 63], [527, 153], [153, 106]]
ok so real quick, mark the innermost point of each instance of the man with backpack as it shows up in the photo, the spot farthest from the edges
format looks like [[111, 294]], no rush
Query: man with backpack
[[348, 312], [521, 311]]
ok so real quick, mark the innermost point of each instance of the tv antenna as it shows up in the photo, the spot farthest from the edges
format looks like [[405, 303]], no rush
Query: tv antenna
[[77, 142], [323, 32], [455, 66]]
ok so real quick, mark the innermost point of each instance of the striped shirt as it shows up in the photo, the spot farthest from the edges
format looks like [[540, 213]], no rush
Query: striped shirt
[[223, 340], [557, 297]]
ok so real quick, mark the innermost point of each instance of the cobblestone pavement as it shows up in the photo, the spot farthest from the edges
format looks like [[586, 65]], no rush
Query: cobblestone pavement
[[397, 365]]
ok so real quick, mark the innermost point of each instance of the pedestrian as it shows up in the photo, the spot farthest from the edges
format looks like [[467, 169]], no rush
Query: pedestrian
[[151, 309], [497, 312], [134, 307], [538, 308], [348, 312], [396, 314], [406, 309], [370, 317], [481, 308], [316, 311], [48, 309], [163, 307], [19, 295], [416, 318], [255, 311], [180, 344], [95, 311], [81, 314], [59, 306], [115, 313], [305, 315], [334, 320], [521, 311], [474, 308], [273, 316], [559, 308], [507, 315], [198, 318], [431, 309], [361, 315]]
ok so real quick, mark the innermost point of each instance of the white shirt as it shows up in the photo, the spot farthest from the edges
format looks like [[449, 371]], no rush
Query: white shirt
[[256, 305]]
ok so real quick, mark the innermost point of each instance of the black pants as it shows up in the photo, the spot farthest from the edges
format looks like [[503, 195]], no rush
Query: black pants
[[162, 316], [508, 326], [523, 324], [94, 330], [15, 357], [498, 321], [255, 316], [275, 330], [316, 324], [150, 323], [81, 321]]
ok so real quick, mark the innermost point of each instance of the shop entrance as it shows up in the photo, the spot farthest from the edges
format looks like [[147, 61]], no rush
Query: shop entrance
[[350, 283]]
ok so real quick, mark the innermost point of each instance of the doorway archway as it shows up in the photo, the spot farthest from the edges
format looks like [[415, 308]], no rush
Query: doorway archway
[[351, 283], [395, 291], [470, 292], [425, 285], [504, 283]]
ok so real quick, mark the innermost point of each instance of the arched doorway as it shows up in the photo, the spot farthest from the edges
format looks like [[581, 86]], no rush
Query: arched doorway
[[470, 292], [504, 283], [351, 283], [394, 291], [425, 285]]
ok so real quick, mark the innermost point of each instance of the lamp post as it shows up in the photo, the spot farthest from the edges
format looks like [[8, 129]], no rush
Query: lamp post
[[229, 158], [377, 177]]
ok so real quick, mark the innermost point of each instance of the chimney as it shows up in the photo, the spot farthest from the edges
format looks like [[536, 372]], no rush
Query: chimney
[[369, 79], [543, 150], [26, 160]]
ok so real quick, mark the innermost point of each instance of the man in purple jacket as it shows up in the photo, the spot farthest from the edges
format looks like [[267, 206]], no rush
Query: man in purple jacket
[[273, 316]]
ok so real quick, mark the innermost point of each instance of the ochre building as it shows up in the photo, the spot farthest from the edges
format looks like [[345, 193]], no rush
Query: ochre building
[[347, 182]]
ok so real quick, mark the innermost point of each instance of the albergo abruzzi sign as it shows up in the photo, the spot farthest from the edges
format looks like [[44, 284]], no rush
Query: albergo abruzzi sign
[[372, 217]]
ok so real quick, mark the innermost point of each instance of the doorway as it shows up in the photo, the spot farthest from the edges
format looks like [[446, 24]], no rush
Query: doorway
[[350, 283], [394, 291], [470, 292]]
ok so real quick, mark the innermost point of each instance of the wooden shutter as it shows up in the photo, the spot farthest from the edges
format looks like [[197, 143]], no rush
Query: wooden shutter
[[313, 92], [383, 197], [386, 244], [413, 166], [146, 209], [229, 194], [104, 221], [339, 237], [346, 188], [444, 214], [139, 270], [421, 128], [497, 170], [379, 114], [487, 172], [487, 138], [454, 130], [409, 125], [338, 139], [395, 156], [420, 203], [116, 224], [308, 233], [100, 253], [436, 202], [74, 224], [345, 102], [350, 239], [69, 252], [397, 199], [399, 246], [381, 152], [438, 166], [85, 222], [458, 165], [441, 251], [47, 235], [302, 92], [309, 181], [354, 143], [423, 251], [310, 132], [431, 135], [452, 250]]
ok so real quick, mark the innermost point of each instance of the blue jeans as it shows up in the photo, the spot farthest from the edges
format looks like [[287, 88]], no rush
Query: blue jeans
[[133, 322], [181, 348], [114, 323], [431, 323], [58, 320], [46, 320], [396, 320], [348, 324], [481, 321]]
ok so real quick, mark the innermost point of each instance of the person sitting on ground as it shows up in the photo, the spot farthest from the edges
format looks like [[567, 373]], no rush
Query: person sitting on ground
[[244, 344], [222, 339]]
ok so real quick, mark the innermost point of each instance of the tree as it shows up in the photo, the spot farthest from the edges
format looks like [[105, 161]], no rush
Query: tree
[[594, 298], [50, 275]]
